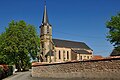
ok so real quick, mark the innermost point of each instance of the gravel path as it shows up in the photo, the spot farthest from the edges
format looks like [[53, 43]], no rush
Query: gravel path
[[27, 76]]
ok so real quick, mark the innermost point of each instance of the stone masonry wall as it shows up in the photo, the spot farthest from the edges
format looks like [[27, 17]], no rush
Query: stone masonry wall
[[108, 68]]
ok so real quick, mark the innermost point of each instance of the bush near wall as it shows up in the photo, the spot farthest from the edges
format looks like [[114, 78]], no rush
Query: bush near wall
[[1, 73], [5, 71]]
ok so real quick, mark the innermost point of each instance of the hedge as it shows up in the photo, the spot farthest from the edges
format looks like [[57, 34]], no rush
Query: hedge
[[5, 71]]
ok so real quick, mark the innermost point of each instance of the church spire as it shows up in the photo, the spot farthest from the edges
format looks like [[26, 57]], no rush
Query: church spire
[[45, 16]]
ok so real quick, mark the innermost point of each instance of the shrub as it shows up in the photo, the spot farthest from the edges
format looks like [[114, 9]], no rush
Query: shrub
[[5, 71], [10, 72], [2, 73]]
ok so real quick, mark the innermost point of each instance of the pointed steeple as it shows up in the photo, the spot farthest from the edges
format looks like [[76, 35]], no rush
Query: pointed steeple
[[45, 20]]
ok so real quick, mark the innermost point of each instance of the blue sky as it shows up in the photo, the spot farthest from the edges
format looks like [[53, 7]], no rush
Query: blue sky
[[78, 20]]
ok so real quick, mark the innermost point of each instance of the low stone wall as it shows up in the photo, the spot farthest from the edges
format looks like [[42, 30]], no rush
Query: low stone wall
[[107, 68]]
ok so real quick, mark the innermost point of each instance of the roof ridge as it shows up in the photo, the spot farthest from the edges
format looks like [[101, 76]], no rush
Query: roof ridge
[[69, 40]]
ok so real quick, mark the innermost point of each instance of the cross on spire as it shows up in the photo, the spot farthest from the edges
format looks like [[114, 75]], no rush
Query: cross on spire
[[44, 2]]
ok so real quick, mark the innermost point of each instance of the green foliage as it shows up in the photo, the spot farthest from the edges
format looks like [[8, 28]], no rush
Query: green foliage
[[18, 44], [3, 57], [114, 30]]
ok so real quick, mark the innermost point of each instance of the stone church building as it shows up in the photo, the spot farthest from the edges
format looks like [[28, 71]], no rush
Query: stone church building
[[57, 50]]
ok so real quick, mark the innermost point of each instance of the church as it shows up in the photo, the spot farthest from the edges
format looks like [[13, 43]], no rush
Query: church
[[57, 50]]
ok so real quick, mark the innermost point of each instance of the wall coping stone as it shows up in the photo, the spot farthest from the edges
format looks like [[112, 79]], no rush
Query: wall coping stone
[[35, 64]]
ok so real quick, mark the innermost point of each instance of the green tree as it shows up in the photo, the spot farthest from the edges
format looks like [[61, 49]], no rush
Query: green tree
[[19, 43], [114, 31], [3, 57]]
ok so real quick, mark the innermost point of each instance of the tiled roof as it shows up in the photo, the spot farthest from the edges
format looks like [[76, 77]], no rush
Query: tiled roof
[[97, 57], [70, 44]]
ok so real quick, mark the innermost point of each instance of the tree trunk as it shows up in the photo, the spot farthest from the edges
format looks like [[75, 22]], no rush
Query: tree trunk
[[18, 67]]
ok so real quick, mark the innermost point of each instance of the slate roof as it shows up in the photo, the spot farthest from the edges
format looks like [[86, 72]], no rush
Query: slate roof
[[70, 44], [115, 53], [50, 53], [45, 16]]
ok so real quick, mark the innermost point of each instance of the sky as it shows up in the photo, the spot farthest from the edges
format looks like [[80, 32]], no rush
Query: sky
[[76, 20]]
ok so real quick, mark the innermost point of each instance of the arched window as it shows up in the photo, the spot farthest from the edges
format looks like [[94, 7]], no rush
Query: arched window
[[59, 55], [42, 45], [41, 30], [87, 57], [64, 55], [67, 55], [48, 29], [80, 57]]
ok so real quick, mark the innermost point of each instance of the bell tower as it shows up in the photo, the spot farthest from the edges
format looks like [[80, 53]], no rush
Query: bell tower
[[45, 37]]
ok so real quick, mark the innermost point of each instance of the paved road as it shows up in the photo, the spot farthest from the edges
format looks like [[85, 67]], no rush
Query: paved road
[[27, 76], [19, 76]]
